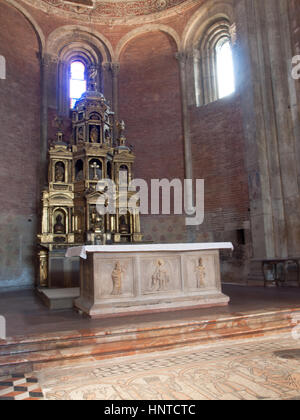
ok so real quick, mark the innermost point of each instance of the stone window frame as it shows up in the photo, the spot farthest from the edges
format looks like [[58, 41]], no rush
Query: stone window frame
[[89, 58], [205, 60]]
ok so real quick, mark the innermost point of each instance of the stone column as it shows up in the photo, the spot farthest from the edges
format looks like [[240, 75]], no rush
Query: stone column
[[263, 54], [45, 63], [115, 70], [183, 58]]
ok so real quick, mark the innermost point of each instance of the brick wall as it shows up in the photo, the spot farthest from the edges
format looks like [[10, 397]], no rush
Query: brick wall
[[218, 158], [19, 148], [151, 106]]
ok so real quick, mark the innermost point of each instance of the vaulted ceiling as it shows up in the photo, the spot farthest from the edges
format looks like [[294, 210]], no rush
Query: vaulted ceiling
[[99, 9]]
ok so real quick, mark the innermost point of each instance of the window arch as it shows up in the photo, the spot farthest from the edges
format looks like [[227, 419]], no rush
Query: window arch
[[213, 63], [74, 66]]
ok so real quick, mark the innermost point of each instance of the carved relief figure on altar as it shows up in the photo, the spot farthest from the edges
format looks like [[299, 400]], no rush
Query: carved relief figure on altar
[[160, 278], [59, 172], [200, 274], [116, 277], [94, 134]]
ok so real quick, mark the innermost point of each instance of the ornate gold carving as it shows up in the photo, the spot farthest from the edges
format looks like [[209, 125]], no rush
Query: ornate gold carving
[[43, 269], [75, 171]]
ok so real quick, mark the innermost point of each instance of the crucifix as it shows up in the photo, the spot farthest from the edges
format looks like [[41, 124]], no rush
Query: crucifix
[[94, 167]]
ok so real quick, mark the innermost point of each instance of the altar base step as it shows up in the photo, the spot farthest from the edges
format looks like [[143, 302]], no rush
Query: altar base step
[[27, 354], [59, 298]]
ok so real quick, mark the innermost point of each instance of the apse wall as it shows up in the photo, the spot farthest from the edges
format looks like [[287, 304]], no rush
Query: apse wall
[[218, 158], [150, 103], [19, 149]]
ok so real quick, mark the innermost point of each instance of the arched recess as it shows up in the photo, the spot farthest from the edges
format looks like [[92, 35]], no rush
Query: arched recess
[[145, 29], [213, 22], [150, 96], [75, 43], [37, 29]]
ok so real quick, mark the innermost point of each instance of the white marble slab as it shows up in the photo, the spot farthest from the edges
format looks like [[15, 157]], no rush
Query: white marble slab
[[81, 251], [127, 279]]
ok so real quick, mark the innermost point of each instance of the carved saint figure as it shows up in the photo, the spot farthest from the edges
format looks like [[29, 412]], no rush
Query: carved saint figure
[[121, 128], [80, 135], [43, 272], [59, 172], [200, 273], [116, 277], [160, 278], [94, 136], [59, 226]]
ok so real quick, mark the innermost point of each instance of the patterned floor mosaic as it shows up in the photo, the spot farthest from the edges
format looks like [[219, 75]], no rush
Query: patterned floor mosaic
[[256, 369], [20, 387]]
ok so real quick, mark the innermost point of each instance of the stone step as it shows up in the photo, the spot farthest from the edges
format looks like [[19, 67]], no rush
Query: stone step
[[58, 298], [39, 352]]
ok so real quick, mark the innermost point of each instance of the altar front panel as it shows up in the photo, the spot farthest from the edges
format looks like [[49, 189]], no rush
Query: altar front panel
[[125, 283]]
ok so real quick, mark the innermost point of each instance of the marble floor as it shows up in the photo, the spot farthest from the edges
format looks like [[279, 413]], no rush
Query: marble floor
[[26, 315], [255, 369]]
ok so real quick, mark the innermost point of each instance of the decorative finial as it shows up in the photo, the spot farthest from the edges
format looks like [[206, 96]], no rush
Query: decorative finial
[[58, 123], [92, 78], [121, 130]]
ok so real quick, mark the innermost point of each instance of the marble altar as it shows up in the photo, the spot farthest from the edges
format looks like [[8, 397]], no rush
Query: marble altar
[[126, 279]]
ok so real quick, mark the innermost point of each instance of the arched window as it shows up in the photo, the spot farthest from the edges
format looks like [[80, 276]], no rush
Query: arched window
[[213, 62], [77, 81], [225, 70]]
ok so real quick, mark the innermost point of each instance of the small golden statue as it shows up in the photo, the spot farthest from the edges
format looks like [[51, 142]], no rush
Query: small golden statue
[[160, 278], [200, 273], [59, 172], [94, 136], [117, 279]]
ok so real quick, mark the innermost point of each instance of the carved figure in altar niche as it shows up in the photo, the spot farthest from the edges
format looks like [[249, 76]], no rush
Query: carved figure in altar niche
[[80, 135], [59, 227], [124, 227], [200, 273], [116, 277], [94, 135], [160, 278], [59, 172]]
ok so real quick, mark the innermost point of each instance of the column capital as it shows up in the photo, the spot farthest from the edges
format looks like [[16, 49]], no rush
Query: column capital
[[115, 69], [182, 57]]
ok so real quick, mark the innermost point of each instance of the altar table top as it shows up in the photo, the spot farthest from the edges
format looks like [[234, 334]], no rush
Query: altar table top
[[81, 251]]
